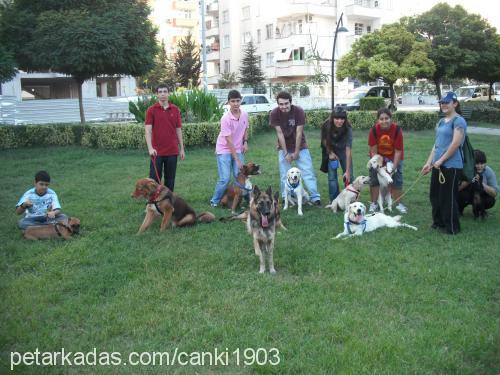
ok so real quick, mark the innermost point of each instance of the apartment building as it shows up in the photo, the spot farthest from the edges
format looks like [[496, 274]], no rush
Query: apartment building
[[287, 34], [175, 19]]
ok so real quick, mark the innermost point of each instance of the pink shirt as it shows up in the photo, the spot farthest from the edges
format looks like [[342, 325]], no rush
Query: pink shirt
[[231, 126]]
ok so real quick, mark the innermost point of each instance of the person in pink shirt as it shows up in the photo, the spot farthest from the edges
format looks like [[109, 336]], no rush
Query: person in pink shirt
[[232, 143]]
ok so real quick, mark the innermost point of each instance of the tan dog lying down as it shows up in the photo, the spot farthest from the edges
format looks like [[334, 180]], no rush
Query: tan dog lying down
[[64, 229]]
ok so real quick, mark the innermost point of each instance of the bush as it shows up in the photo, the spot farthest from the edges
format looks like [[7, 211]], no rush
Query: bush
[[14, 136], [197, 106], [484, 111], [139, 108], [371, 103]]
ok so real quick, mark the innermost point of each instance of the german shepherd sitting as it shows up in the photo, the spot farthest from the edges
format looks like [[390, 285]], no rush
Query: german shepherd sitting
[[261, 224], [162, 202]]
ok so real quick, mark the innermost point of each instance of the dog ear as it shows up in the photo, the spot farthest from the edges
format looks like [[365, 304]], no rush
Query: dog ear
[[255, 191], [269, 191]]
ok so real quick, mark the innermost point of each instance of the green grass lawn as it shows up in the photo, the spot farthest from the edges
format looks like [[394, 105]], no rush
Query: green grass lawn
[[391, 302]]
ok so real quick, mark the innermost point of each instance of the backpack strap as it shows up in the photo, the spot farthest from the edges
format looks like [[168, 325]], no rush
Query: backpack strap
[[463, 141]]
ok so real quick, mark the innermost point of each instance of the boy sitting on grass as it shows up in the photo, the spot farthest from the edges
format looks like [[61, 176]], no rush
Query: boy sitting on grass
[[40, 204]]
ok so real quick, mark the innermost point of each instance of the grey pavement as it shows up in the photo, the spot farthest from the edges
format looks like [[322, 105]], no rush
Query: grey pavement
[[487, 131]]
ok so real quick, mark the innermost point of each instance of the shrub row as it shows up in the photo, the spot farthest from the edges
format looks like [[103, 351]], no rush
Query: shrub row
[[131, 135], [371, 103], [484, 111]]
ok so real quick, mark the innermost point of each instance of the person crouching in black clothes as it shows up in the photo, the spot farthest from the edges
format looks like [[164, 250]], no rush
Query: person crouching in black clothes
[[481, 192]]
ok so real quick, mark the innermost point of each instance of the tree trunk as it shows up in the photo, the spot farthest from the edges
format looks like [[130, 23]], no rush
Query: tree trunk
[[392, 106], [79, 81], [437, 82], [490, 90]]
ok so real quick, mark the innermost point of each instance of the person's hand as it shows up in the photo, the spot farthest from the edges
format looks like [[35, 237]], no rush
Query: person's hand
[[27, 204], [475, 179], [238, 163], [347, 177], [438, 164], [426, 168], [289, 157], [295, 156], [51, 214], [332, 156], [182, 154], [152, 152]]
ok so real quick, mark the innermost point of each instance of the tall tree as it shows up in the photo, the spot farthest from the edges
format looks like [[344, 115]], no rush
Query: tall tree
[[488, 68], [162, 72], [228, 80], [83, 39], [389, 54], [250, 73], [187, 62], [7, 65], [457, 39]]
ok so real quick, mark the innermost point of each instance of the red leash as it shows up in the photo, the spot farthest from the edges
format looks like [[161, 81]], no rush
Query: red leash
[[153, 158], [158, 189]]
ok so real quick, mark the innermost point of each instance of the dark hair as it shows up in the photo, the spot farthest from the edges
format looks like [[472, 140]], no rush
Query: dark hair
[[384, 110], [284, 95], [233, 94], [457, 108], [162, 86], [329, 131], [42, 176], [479, 156]]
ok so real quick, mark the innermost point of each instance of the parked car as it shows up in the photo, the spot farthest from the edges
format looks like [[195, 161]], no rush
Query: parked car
[[351, 101], [252, 103], [474, 93]]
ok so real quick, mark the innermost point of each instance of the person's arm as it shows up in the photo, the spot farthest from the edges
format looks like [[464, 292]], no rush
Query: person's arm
[[458, 136], [245, 141], [282, 143], [232, 149], [21, 209], [149, 137], [348, 163], [397, 158], [373, 150], [51, 214], [178, 131], [428, 164], [491, 188], [298, 140]]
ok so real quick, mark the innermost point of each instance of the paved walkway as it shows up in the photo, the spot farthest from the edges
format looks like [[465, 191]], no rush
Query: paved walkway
[[488, 131]]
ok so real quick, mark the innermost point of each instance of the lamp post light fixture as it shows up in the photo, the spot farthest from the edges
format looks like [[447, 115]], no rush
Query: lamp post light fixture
[[339, 29]]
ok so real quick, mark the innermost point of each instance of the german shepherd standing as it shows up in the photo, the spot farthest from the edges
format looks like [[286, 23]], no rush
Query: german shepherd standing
[[261, 224]]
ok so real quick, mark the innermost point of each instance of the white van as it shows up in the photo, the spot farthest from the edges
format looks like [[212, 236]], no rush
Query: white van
[[474, 93]]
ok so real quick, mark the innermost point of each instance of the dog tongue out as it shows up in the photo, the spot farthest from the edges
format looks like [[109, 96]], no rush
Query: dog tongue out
[[264, 222]]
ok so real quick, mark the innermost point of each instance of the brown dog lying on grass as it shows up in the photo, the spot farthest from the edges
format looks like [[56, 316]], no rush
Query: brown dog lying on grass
[[63, 229], [163, 202]]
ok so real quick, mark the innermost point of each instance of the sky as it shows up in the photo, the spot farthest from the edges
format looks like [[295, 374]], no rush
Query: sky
[[488, 9]]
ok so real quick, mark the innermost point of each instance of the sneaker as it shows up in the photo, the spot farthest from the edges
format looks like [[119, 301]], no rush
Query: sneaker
[[317, 203], [373, 207], [401, 208], [213, 205]]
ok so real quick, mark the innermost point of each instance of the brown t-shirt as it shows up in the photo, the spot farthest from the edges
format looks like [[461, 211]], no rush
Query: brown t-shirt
[[288, 123]]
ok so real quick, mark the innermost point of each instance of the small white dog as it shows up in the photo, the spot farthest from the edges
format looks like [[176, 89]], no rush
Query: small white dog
[[349, 194], [294, 189], [356, 223], [384, 180]]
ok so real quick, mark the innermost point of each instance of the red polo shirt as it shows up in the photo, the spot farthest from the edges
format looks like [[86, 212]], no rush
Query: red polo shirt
[[164, 122]]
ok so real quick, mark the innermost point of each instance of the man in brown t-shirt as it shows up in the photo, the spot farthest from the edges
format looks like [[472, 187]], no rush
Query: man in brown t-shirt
[[289, 121]]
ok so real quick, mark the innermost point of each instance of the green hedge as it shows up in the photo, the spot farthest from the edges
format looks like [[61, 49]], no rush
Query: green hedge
[[371, 103], [484, 111]]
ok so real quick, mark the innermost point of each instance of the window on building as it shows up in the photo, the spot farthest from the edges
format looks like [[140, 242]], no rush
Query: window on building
[[227, 66], [269, 31], [299, 54], [225, 16], [188, 14], [226, 41], [299, 27], [358, 29], [246, 37], [270, 59], [258, 36], [368, 29], [245, 12]]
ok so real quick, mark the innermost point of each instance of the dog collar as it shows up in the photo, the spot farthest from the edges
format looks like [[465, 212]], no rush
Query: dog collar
[[292, 186], [155, 195], [349, 223], [351, 189], [243, 187]]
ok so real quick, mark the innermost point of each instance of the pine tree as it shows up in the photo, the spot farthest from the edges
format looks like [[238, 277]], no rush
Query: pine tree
[[250, 72], [162, 73], [187, 62]]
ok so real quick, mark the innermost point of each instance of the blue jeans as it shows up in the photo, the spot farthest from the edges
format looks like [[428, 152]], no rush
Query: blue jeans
[[39, 220], [225, 163], [333, 182], [304, 163]]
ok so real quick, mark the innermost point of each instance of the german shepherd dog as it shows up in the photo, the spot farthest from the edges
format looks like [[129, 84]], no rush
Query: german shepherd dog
[[261, 224], [162, 202]]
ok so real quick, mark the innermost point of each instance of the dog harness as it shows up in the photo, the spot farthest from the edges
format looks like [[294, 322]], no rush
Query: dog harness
[[242, 187], [352, 190], [292, 187], [347, 225], [62, 225]]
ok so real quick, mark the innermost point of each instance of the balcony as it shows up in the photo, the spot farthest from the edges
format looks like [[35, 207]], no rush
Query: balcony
[[301, 9], [185, 5], [213, 8], [296, 68], [213, 55], [213, 80], [184, 22], [211, 32], [364, 10]]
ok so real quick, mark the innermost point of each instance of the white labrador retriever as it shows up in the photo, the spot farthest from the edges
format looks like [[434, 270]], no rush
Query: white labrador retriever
[[356, 223], [294, 190], [384, 180], [349, 194]]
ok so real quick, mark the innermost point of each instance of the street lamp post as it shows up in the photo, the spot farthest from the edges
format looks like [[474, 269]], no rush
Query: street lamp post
[[339, 29]]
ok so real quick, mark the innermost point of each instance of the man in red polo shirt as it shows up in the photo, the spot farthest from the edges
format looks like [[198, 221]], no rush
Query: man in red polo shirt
[[164, 137]]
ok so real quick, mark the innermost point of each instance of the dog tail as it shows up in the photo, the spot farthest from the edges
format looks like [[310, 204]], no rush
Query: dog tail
[[409, 226], [241, 216], [205, 217]]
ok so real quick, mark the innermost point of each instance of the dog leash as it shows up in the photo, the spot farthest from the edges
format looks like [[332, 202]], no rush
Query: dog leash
[[442, 179], [153, 159], [420, 175]]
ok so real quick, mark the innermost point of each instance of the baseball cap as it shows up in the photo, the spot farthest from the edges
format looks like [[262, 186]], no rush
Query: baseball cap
[[449, 97], [339, 113]]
